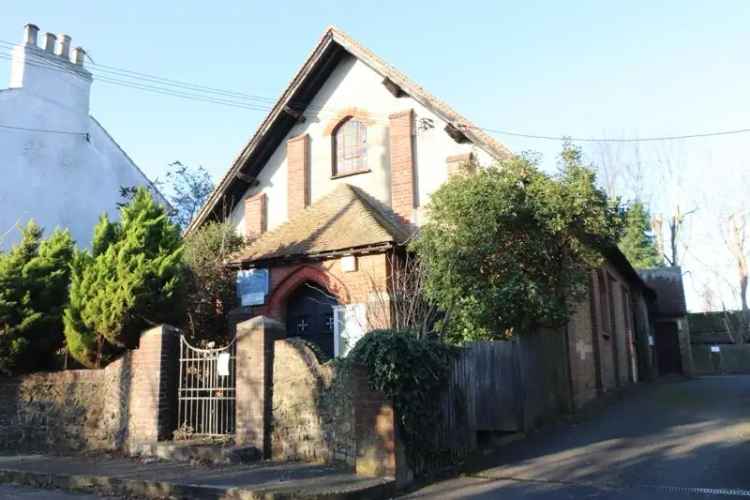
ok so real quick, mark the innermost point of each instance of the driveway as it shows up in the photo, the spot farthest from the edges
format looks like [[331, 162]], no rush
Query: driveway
[[670, 439]]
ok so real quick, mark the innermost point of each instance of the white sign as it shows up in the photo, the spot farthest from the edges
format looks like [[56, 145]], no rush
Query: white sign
[[715, 348], [253, 299], [650, 340], [222, 364], [252, 286], [349, 263]]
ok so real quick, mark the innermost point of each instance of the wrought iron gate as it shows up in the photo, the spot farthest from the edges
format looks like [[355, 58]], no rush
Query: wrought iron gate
[[206, 393]]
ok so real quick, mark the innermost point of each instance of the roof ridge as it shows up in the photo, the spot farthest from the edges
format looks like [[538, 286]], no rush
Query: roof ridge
[[385, 219]]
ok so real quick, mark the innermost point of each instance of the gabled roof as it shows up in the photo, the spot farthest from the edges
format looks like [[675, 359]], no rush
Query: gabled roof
[[347, 218], [329, 51]]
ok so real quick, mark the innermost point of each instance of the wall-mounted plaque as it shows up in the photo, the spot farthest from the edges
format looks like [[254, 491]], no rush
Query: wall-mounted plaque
[[252, 286]]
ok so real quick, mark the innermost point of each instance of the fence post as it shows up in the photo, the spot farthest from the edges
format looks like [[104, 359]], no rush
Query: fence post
[[255, 349]]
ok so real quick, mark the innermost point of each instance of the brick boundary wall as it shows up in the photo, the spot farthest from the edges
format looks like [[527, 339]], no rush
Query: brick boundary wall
[[313, 412], [114, 408], [255, 351], [153, 388], [292, 407]]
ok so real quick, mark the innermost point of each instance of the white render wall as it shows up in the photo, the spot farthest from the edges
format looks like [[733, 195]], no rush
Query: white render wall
[[59, 180], [354, 84]]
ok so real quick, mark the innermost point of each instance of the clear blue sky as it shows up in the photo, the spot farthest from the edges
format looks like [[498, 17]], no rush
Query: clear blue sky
[[585, 68]]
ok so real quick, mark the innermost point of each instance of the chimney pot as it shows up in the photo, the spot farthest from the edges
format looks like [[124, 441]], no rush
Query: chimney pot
[[78, 55], [49, 42], [30, 32], [63, 47]]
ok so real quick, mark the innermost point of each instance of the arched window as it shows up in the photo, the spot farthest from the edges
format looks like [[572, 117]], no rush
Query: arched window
[[350, 147]]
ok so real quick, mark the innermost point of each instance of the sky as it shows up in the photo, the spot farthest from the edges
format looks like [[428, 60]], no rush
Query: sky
[[583, 69]]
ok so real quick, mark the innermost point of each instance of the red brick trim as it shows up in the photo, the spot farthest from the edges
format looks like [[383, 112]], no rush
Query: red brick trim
[[305, 273], [298, 174], [255, 216], [460, 158], [359, 114], [402, 163], [400, 114], [461, 164], [298, 138]]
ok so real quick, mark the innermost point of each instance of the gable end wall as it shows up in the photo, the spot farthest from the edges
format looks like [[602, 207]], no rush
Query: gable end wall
[[355, 86]]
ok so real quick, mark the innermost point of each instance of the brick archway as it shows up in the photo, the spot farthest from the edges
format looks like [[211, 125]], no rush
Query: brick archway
[[344, 114], [304, 274]]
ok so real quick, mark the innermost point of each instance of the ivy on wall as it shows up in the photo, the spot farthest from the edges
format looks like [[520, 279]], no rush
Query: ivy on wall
[[412, 372]]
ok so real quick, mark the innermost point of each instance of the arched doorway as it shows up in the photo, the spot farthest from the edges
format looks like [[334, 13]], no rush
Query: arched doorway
[[309, 315]]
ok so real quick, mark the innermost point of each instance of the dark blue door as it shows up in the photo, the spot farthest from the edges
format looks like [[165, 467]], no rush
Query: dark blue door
[[310, 316]]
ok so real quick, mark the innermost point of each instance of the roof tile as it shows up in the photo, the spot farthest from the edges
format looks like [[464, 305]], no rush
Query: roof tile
[[345, 218]]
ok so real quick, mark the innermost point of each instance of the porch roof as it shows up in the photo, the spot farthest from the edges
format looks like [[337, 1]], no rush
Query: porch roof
[[346, 218]]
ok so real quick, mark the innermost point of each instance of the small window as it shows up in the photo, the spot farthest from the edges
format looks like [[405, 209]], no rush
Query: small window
[[350, 147]]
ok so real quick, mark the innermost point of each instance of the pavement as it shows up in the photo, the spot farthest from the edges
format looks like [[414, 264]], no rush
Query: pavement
[[11, 492], [114, 476], [683, 438]]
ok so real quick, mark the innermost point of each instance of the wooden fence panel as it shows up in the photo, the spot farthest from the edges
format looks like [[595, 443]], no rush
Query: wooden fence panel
[[496, 384], [545, 388], [504, 386]]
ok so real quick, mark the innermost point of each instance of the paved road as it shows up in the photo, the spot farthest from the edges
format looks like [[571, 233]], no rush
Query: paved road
[[677, 439], [8, 492]]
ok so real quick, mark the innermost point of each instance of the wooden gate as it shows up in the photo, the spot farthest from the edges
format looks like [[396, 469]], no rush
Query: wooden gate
[[206, 392]]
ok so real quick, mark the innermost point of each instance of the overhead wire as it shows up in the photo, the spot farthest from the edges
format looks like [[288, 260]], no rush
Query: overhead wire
[[202, 93], [49, 131]]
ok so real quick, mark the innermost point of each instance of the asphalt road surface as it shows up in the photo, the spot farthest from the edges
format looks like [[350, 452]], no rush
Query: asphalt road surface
[[671, 439]]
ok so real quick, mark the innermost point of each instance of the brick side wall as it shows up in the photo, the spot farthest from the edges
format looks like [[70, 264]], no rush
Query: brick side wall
[[583, 364], [605, 339], [612, 342], [402, 164], [298, 177], [623, 335], [255, 216]]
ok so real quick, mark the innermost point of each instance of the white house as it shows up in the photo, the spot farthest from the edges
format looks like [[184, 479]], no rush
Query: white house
[[58, 165]]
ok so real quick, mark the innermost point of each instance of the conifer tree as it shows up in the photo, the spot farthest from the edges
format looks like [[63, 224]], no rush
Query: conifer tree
[[130, 280], [34, 279], [637, 242]]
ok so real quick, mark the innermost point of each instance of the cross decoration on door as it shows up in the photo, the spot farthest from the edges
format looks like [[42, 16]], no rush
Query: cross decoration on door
[[329, 323], [302, 325]]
